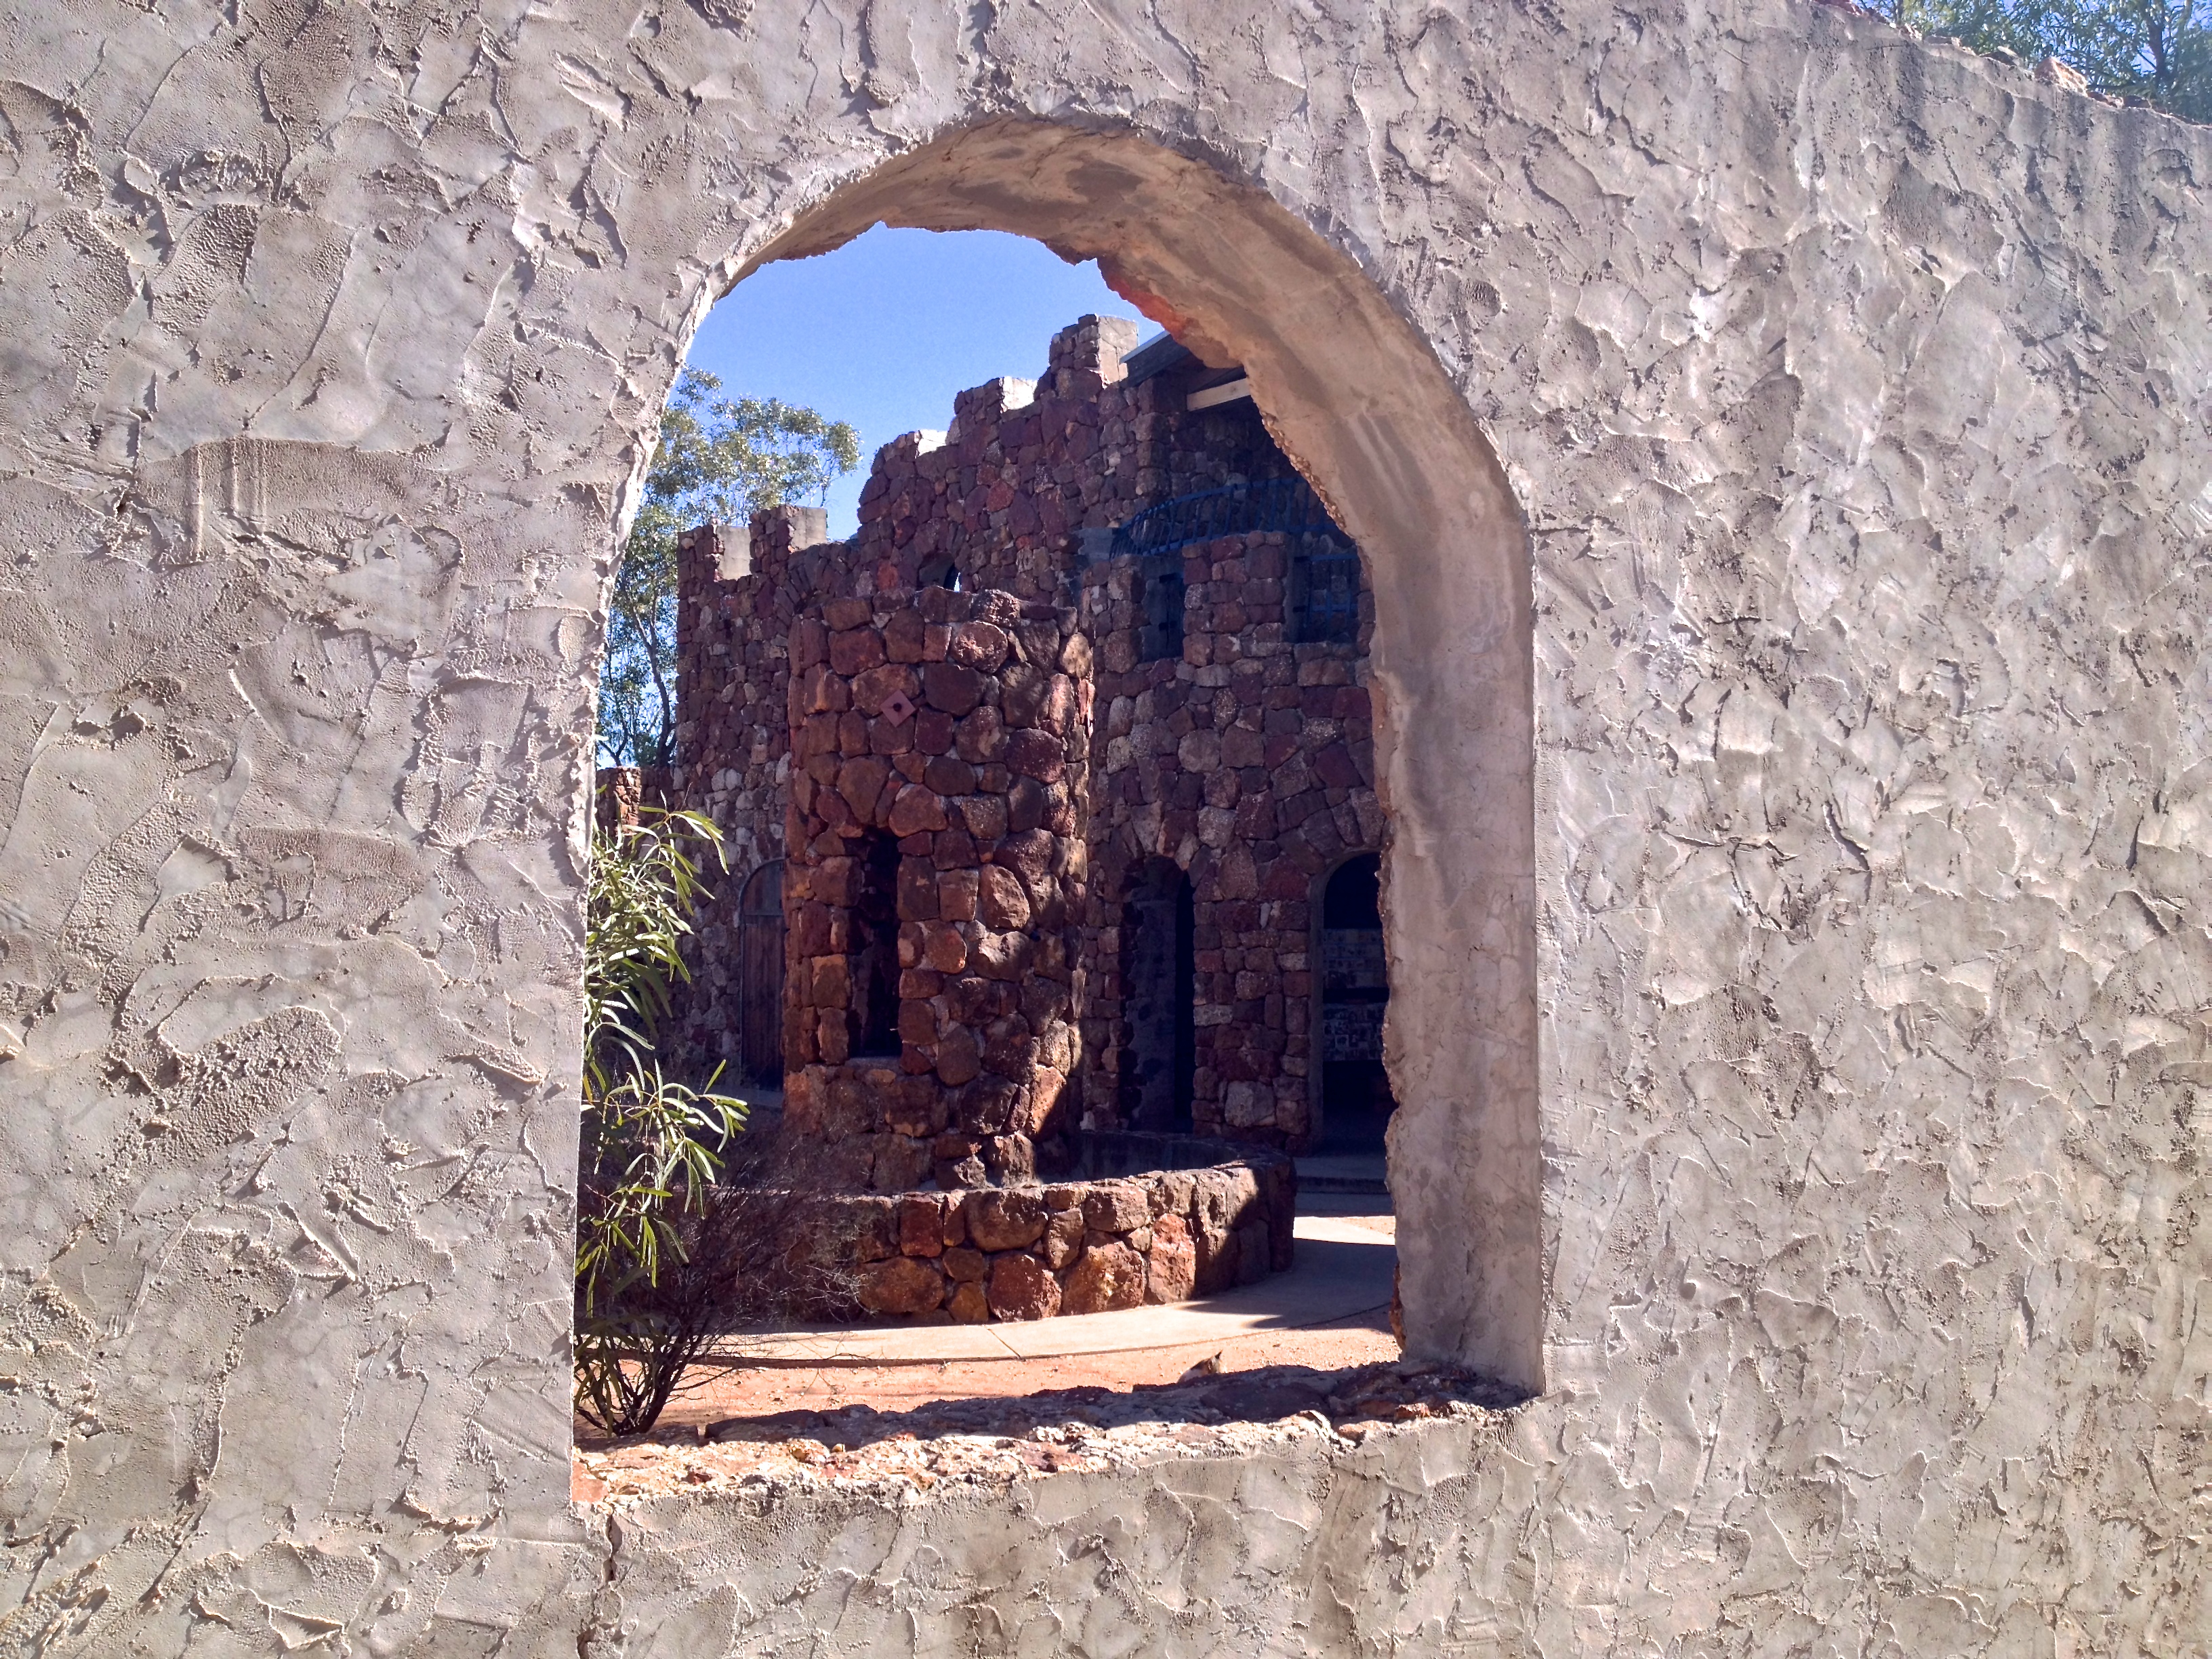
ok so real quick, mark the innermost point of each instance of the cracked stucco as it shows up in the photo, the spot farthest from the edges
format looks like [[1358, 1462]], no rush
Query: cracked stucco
[[1802, 430]]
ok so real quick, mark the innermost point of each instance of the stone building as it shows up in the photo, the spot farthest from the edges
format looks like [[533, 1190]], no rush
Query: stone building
[[1780, 447], [1080, 715]]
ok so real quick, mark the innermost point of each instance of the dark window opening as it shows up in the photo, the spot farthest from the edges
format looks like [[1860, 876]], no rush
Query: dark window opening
[[941, 572], [1160, 996], [1160, 634], [1324, 591], [1356, 1098], [874, 975]]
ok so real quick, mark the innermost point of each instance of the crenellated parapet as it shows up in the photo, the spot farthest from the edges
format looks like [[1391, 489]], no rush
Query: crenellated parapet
[[1134, 498]]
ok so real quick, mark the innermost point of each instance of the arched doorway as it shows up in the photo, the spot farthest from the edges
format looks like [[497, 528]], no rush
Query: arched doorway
[[1160, 996], [760, 975], [1354, 993]]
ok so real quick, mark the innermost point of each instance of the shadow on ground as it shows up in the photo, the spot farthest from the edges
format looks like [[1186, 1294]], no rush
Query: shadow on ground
[[1385, 1392]]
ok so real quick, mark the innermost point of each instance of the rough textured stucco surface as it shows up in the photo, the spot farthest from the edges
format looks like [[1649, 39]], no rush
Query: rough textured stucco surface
[[1850, 963]]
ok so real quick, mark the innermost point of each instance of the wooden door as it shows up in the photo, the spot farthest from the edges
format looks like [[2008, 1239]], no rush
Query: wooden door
[[1355, 994], [760, 975]]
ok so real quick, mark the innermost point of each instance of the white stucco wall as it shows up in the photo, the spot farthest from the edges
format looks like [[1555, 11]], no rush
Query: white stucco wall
[[1807, 1088]]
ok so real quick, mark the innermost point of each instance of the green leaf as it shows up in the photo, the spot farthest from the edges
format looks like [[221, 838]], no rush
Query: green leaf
[[644, 1135]]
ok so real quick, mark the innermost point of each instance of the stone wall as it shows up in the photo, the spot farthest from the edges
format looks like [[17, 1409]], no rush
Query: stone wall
[[934, 879], [1193, 1218], [1781, 449], [737, 597], [623, 793], [1006, 493], [1247, 760]]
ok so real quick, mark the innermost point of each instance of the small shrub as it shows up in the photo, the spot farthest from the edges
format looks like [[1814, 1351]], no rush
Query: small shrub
[[735, 1255], [649, 1245]]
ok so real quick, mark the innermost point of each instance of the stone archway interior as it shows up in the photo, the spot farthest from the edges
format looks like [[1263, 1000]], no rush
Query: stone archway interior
[[1359, 401], [1352, 981]]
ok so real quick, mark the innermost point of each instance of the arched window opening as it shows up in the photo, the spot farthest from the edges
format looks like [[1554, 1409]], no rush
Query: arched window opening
[[760, 975], [1037, 657], [873, 975], [1160, 996]]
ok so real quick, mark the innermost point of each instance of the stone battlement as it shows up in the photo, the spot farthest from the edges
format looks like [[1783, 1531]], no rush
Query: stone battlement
[[1227, 749]]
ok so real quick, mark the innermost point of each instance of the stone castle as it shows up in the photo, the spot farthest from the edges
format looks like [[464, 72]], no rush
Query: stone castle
[[1780, 447], [1050, 794]]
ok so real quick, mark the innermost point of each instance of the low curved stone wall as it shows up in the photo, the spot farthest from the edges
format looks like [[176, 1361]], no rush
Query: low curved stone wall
[[1192, 1218]]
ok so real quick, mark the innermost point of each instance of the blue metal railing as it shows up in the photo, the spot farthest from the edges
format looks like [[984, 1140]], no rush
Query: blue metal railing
[[1286, 504], [1324, 574]]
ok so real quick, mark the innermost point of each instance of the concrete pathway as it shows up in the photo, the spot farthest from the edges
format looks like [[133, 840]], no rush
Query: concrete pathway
[[1343, 1269]]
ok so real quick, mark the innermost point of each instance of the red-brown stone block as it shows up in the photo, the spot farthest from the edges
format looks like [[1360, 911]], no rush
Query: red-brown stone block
[[921, 1224], [1105, 1277], [1022, 1287], [1172, 1265], [970, 1304], [1063, 1236], [900, 1285], [1005, 1220]]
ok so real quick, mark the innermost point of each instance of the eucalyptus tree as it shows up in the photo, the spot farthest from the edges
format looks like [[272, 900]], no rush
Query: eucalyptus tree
[[718, 458]]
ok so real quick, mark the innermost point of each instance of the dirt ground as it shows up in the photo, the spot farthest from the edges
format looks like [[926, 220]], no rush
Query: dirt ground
[[713, 1395], [738, 1423], [766, 1429]]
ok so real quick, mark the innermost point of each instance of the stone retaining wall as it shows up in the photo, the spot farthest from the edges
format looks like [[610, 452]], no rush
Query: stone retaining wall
[[1088, 1244]]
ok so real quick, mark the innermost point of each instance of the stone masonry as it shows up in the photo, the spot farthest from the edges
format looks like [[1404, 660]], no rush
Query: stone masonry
[[933, 881], [1248, 761], [1186, 1222], [1221, 742], [1781, 447], [733, 647]]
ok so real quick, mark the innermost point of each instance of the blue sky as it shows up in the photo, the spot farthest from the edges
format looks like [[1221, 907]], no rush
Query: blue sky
[[883, 332]]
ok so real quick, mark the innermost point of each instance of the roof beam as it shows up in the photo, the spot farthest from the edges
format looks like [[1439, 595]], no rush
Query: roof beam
[[1227, 392]]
